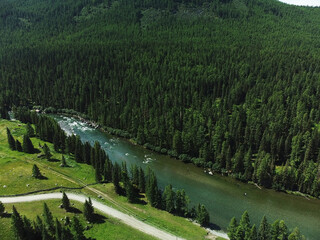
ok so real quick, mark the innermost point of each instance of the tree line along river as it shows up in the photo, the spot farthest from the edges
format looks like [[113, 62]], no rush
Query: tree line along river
[[223, 197]]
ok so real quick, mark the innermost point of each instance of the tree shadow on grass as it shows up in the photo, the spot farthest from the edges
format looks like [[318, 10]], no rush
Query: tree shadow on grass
[[5, 215], [54, 160], [42, 177], [97, 218], [74, 210]]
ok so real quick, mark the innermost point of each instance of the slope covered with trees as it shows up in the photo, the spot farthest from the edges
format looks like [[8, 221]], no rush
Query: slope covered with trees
[[227, 84]]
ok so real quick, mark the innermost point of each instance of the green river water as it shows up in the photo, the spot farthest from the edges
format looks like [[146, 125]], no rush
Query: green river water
[[224, 197]]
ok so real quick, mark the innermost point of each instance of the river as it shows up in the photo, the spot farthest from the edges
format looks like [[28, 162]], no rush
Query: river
[[224, 197]]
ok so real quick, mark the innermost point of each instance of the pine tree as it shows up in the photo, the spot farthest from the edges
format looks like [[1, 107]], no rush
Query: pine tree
[[29, 130], [18, 146], [88, 210], [203, 215], [245, 224], [152, 189], [58, 230], [48, 219], [232, 228], [264, 229], [36, 172], [27, 145], [296, 235], [77, 229], [130, 191], [142, 181], [11, 141], [116, 178], [169, 199], [283, 231], [2, 208], [253, 234], [17, 224], [65, 202], [46, 151]]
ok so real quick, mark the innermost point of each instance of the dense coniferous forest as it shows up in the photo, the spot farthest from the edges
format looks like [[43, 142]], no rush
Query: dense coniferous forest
[[231, 85]]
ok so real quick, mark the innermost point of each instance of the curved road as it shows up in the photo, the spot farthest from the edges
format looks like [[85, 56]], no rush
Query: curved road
[[127, 219]]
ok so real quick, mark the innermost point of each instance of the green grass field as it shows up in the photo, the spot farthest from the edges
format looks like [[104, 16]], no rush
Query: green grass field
[[15, 175]]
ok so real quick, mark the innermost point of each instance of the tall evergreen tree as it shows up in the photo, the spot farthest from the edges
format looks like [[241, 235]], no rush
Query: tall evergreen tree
[[36, 172], [88, 210], [46, 151], [29, 130], [264, 229], [65, 202], [48, 219], [17, 224], [27, 145], [77, 229], [232, 228]]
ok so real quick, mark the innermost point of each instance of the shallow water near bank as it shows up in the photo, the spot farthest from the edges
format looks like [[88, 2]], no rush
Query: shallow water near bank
[[224, 197]]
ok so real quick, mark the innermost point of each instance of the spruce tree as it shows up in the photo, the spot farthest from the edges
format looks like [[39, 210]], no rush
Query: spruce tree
[[296, 235], [11, 141], [46, 151], [169, 199], [29, 130], [232, 228], [58, 230], [36, 172], [116, 178], [65, 202], [142, 181], [264, 229], [88, 210], [77, 229], [130, 191], [17, 224], [48, 219], [203, 215], [27, 145], [253, 234]]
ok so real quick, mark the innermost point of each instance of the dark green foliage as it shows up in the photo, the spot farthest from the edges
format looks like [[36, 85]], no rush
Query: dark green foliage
[[17, 224], [65, 202], [36, 172], [142, 181], [209, 99], [48, 222], [296, 235], [169, 199], [152, 190], [18, 146], [88, 210], [77, 229], [278, 230], [202, 215], [264, 229], [29, 130], [27, 145], [11, 141], [232, 228], [47, 152], [116, 177]]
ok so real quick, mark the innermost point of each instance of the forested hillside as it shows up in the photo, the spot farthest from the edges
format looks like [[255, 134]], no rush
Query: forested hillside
[[232, 85]]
